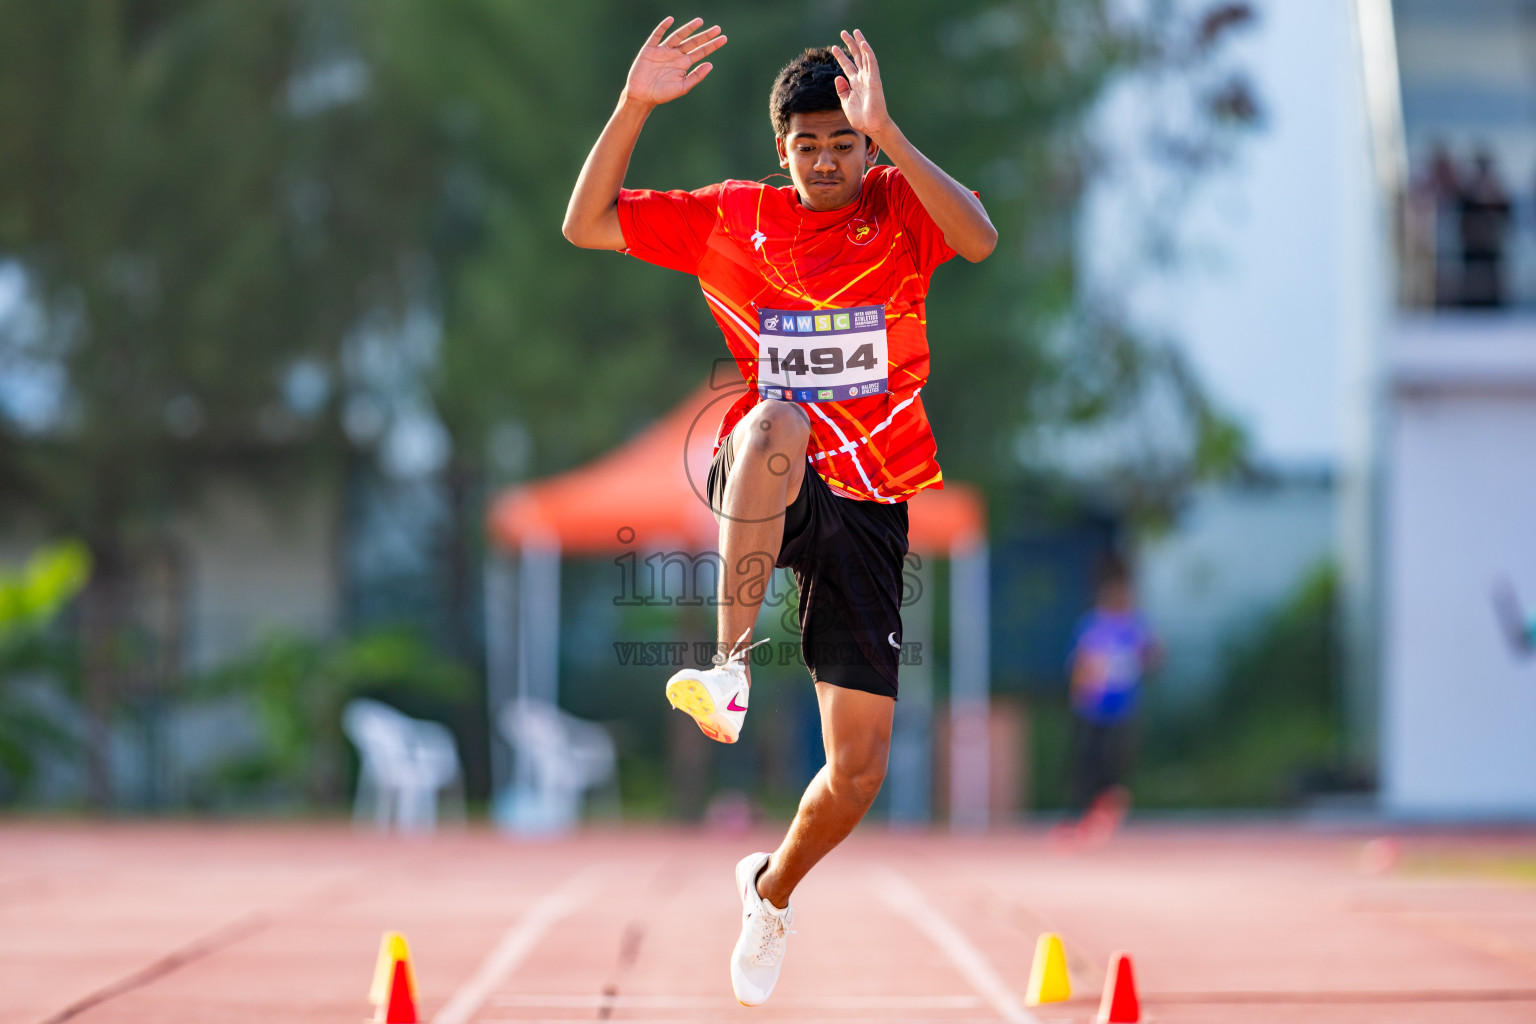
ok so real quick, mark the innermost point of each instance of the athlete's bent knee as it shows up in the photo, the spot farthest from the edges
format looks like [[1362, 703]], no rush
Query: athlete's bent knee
[[860, 784], [774, 426]]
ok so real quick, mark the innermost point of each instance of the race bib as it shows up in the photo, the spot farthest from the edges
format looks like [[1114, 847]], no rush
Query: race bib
[[821, 355]]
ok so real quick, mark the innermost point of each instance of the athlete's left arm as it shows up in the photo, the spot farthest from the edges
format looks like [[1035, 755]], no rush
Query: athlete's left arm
[[954, 208]]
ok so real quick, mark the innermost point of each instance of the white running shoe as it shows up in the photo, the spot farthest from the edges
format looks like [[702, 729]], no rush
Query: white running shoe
[[759, 952], [716, 697]]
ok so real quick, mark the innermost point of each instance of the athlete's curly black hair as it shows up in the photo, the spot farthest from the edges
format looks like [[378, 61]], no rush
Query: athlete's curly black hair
[[805, 86]]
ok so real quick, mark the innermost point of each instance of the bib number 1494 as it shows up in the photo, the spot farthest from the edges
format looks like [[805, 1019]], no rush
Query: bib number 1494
[[822, 355], [819, 360]]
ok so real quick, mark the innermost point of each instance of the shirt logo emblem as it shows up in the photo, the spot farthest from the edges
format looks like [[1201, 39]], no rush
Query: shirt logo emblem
[[758, 238], [861, 231]]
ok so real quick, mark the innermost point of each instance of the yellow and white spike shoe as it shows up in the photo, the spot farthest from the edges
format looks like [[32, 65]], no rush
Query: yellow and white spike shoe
[[716, 698]]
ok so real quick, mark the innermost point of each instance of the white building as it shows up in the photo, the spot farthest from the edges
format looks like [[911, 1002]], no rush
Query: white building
[[1330, 310], [1274, 302], [1456, 443]]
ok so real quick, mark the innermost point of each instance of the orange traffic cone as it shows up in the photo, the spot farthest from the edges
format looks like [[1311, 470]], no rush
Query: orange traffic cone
[[1120, 1005], [394, 983]]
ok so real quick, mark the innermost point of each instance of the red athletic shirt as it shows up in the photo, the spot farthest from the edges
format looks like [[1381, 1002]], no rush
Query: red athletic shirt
[[756, 252]]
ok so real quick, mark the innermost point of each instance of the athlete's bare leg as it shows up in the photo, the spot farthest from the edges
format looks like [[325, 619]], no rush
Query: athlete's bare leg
[[765, 478], [856, 732]]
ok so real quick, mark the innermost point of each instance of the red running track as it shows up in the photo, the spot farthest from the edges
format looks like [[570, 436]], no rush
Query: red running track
[[234, 924]]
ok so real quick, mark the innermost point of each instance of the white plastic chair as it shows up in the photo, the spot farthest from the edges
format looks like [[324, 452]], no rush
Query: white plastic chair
[[560, 758], [405, 763]]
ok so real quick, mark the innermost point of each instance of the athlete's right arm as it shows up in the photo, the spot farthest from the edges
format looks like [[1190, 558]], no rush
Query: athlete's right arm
[[659, 74]]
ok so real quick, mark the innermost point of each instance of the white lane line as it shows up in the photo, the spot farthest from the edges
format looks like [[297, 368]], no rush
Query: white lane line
[[594, 1001], [520, 940], [904, 898]]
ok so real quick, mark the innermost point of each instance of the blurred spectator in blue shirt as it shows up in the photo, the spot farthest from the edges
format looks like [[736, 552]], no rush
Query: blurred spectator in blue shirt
[[1113, 650]]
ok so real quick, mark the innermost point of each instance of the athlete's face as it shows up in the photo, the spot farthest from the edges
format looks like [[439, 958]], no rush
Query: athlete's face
[[826, 158]]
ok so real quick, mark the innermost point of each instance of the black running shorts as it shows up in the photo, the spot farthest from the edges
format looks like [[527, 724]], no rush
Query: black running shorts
[[847, 557]]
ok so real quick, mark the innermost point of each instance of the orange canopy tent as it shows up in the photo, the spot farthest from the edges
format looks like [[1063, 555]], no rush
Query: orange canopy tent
[[649, 493]]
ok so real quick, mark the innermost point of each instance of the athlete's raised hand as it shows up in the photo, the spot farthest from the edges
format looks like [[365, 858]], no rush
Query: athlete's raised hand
[[957, 212], [859, 87], [661, 72]]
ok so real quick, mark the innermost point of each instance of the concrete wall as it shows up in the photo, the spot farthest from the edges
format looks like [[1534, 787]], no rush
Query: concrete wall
[[253, 564], [1458, 704], [257, 565]]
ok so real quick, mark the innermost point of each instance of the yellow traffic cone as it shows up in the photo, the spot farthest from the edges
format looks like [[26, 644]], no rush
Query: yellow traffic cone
[[1048, 981]]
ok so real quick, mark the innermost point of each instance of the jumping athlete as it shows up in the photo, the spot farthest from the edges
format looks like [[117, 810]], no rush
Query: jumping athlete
[[819, 287]]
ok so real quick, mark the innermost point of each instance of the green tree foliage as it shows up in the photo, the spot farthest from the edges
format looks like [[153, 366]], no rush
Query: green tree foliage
[[300, 687], [206, 193], [584, 347], [1271, 731], [205, 197], [31, 601], [213, 203], [203, 194], [32, 597]]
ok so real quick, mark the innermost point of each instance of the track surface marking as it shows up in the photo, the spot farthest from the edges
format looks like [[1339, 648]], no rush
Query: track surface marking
[[514, 947], [903, 897], [140, 924]]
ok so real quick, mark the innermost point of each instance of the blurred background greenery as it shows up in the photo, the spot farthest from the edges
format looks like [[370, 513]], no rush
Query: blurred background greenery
[[302, 258]]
